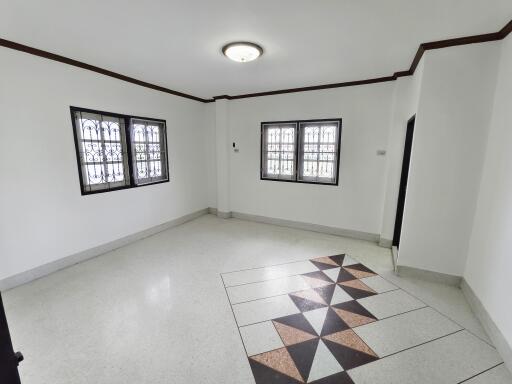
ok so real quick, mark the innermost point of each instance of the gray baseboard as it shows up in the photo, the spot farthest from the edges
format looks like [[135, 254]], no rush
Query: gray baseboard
[[308, 227], [46, 269], [386, 243], [422, 274], [224, 215], [220, 214], [499, 341]]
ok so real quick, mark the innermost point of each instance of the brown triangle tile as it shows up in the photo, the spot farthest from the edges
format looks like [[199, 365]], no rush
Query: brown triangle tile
[[357, 284], [349, 338], [354, 307], [280, 361], [325, 260], [290, 335], [315, 283], [359, 271], [310, 295], [352, 319]]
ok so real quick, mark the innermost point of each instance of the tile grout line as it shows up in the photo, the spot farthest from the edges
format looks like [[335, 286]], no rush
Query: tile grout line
[[234, 317], [292, 292], [441, 313], [406, 349], [386, 356], [297, 274], [270, 266], [274, 278], [376, 320], [478, 374]]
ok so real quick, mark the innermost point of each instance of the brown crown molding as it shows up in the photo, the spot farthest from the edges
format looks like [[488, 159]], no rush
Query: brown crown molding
[[501, 34], [79, 64]]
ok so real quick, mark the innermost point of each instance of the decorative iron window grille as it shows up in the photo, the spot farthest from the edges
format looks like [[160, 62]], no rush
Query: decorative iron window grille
[[118, 151], [304, 151], [279, 149], [149, 153]]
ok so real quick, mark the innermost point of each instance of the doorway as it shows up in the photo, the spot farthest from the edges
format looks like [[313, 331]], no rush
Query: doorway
[[403, 182], [8, 359]]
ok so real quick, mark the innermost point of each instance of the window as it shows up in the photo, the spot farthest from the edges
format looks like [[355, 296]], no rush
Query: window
[[304, 151], [149, 155], [279, 147], [118, 151]]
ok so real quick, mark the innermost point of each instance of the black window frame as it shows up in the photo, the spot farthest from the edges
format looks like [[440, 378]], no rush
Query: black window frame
[[297, 151], [129, 152]]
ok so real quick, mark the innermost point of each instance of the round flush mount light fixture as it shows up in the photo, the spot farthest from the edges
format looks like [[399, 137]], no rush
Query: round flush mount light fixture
[[242, 51]]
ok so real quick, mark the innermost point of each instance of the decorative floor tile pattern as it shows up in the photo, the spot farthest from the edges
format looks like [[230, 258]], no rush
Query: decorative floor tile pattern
[[317, 322]]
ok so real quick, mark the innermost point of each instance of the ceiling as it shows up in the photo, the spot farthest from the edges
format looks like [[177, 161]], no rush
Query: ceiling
[[177, 44]]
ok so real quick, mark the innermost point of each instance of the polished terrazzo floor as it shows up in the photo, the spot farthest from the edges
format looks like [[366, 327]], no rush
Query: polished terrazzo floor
[[332, 320], [156, 311]]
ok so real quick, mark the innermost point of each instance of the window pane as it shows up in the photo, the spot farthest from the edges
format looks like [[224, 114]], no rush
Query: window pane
[[92, 152], [318, 151], [278, 156], [149, 151], [95, 174], [115, 172], [102, 150]]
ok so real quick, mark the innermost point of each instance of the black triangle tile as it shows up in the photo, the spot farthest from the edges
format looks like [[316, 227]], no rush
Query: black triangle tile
[[319, 275], [326, 292], [337, 378], [305, 305], [302, 355], [323, 266], [333, 323], [297, 321], [265, 375], [348, 358], [354, 307], [338, 259], [360, 267], [344, 276], [357, 293]]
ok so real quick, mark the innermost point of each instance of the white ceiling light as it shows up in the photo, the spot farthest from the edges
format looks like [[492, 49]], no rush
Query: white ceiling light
[[242, 51]]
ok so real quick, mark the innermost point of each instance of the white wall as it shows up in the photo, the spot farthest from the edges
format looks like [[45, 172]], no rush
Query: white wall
[[405, 105], [489, 261], [43, 215], [451, 129], [356, 204], [210, 154]]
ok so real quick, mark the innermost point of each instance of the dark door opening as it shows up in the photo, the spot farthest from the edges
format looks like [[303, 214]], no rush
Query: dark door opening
[[403, 182], [8, 359]]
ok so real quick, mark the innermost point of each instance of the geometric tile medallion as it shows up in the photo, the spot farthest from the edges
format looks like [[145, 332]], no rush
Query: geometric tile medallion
[[316, 342]]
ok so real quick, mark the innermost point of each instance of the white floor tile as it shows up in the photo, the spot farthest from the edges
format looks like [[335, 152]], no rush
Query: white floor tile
[[447, 299], [246, 292], [316, 318], [324, 364], [497, 375], [264, 309], [448, 360], [378, 284], [332, 273], [404, 331], [390, 303], [260, 337], [340, 296], [267, 273], [349, 261]]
